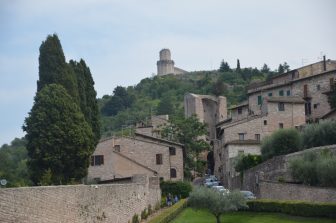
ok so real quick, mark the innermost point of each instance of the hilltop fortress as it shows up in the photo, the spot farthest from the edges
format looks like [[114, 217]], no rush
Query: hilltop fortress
[[166, 65]]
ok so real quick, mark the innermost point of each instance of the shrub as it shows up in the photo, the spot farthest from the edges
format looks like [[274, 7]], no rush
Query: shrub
[[299, 208], [281, 142], [179, 188], [135, 218], [319, 134], [149, 209], [315, 168], [170, 213], [245, 162], [144, 214]]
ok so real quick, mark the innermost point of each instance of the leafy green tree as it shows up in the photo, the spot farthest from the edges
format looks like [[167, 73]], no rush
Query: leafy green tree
[[166, 106], [58, 137], [224, 67], [53, 68], [187, 131], [118, 102], [13, 166], [265, 69], [216, 202], [281, 142], [87, 96], [319, 134], [245, 162], [281, 69], [219, 87]]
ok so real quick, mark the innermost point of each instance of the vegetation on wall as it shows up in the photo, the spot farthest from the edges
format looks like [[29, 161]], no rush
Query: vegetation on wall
[[281, 142], [319, 134], [315, 168], [244, 162]]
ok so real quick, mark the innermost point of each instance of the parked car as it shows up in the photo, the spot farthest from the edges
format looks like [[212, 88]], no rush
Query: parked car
[[248, 195], [210, 182], [221, 189]]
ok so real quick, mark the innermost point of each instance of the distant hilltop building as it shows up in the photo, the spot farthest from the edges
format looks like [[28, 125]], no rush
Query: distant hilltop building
[[166, 65]]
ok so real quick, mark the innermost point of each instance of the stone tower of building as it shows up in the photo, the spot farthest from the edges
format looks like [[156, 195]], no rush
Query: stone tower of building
[[165, 65]]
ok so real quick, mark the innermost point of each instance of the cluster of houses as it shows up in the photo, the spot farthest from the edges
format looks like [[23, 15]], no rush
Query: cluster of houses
[[288, 100]]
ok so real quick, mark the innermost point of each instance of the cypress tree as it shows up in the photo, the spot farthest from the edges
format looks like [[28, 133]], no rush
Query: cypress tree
[[59, 139], [87, 96], [238, 66], [54, 69]]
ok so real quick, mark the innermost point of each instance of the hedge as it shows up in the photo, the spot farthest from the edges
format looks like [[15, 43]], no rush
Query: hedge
[[179, 188], [299, 208], [170, 213]]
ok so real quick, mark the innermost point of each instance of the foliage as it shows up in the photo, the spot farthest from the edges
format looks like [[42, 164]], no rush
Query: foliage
[[54, 69], [315, 168], [13, 166], [216, 202], [299, 208], [58, 137], [281, 142], [179, 188], [87, 96], [170, 213], [187, 131], [135, 218], [238, 66], [283, 68], [248, 161], [319, 134], [120, 100], [202, 216], [224, 67], [144, 214]]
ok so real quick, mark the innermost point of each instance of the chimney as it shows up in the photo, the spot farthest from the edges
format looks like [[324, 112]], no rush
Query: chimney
[[324, 63]]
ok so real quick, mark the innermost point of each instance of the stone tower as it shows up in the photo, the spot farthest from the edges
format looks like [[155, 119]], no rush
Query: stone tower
[[165, 65]]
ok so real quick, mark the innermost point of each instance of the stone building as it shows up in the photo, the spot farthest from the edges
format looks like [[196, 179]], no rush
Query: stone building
[[312, 83], [166, 65], [242, 134], [121, 157], [209, 109], [153, 126]]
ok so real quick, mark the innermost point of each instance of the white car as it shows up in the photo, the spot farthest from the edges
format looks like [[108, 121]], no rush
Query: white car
[[221, 189]]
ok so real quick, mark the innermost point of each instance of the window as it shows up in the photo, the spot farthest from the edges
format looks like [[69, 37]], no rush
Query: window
[[305, 91], [97, 160], [281, 93], [117, 148], [318, 87], [172, 173], [288, 93], [241, 136], [265, 122], [172, 151], [281, 125], [281, 106], [259, 100], [270, 94], [158, 159], [257, 137], [316, 105], [240, 110]]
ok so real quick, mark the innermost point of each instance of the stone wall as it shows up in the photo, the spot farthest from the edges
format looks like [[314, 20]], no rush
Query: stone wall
[[264, 179], [115, 203], [285, 191]]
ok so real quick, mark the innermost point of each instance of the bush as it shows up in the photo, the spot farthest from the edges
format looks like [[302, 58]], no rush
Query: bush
[[245, 162], [319, 134], [144, 214], [179, 188], [135, 218], [170, 213], [281, 142], [299, 208], [315, 168]]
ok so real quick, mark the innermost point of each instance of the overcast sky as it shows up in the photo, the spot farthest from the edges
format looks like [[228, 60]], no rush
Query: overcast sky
[[120, 40]]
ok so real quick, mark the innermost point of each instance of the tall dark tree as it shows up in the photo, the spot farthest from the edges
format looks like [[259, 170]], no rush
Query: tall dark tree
[[281, 69], [166, 106], [238, 66], [265, 69], [224, 67], [118, 102], [54, 69], [59, 140], [87, 96]]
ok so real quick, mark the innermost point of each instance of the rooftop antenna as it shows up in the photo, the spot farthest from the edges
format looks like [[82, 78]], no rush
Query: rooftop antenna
[[321, 56]]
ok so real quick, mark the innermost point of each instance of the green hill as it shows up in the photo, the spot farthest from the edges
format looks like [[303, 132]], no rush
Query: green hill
[[164, 95]]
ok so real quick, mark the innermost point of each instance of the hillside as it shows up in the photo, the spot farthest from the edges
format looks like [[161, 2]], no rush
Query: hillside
[[164, 95]]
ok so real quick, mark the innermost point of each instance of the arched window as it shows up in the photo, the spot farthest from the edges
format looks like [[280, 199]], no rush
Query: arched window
[[172, 173]]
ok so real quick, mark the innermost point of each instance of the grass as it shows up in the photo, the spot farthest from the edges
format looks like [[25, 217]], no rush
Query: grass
[[191, 216]]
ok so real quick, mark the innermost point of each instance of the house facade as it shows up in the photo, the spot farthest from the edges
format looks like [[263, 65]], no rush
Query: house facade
[[122, 157]]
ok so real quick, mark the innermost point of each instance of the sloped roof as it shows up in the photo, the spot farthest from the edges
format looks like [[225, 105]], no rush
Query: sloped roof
[[243, 142]]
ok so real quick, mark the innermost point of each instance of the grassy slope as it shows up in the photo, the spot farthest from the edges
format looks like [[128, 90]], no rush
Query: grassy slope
[[191, 216]]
